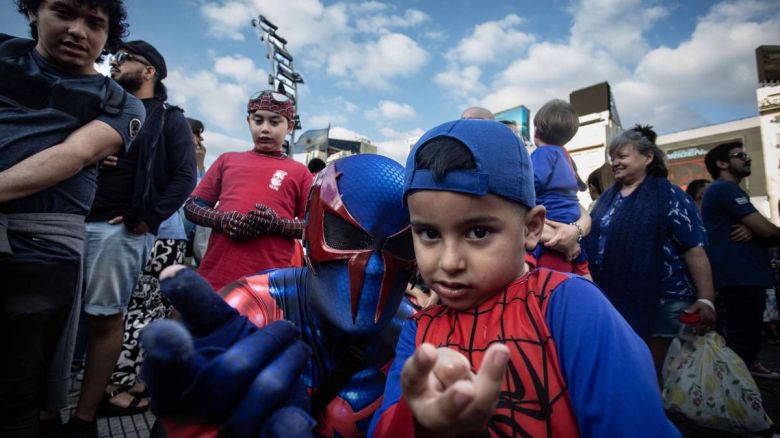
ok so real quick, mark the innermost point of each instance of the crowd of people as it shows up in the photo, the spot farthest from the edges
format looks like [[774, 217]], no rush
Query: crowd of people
[[467, 292]]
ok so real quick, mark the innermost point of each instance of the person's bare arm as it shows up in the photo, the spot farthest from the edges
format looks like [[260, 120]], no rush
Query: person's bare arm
[[761, 227], [740, 233], [88, 144], [701, 273], [565, 238]]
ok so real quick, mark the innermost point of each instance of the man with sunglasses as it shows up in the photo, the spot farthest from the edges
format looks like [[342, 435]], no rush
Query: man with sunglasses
[[738, 251], [137, 192], [254, 201]]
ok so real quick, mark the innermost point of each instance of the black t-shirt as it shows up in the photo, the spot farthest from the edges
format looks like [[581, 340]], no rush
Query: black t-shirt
[[25, 132], [115, 185]]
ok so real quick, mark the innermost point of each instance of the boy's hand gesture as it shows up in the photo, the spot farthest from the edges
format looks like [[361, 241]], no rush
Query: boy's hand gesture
[[445, 396]]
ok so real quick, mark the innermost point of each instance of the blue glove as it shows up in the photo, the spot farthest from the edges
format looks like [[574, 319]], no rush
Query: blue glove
[[221, 369]]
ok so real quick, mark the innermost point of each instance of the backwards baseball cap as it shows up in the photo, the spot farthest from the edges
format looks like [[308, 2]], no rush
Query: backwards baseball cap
[[269, 100], [503, 166], [149, 53]]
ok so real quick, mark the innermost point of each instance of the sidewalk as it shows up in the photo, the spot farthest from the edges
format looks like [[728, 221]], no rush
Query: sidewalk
[[138, 426], [131, 426]]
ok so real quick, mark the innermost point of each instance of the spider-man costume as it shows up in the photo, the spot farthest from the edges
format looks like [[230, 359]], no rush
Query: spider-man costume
[[348, 298], [576, 367]]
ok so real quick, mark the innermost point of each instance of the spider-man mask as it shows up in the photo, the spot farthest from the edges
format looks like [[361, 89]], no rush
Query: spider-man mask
[[359, 242]]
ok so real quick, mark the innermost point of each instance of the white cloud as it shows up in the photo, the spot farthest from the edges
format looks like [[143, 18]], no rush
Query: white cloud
[[669, 87], [396, 146], [369, 7], [310, 19], [239, 68], [715, 66], [383, 23], [491, 39], [526, 82], [376, 63], [343, 133], [222, 103], [460, 83], [391, 110], [223, 19], [614, 26], [323, 120], [355, 43]]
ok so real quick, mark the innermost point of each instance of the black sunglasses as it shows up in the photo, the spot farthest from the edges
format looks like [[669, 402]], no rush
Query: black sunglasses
[[277, 97], [121, 57], [744, 156]]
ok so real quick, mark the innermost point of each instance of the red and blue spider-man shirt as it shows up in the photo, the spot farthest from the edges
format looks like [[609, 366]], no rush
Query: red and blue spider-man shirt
[[576, 366]]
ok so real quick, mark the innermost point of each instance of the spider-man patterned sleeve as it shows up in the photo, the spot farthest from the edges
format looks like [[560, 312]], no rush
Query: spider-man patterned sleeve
[[201, 212], [266, 219], [608, 368]]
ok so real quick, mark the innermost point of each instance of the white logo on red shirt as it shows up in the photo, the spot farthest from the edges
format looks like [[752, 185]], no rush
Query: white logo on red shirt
[[276, 179]]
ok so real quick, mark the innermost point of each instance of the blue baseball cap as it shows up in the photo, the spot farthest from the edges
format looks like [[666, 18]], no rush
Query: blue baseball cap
[[503, 165]]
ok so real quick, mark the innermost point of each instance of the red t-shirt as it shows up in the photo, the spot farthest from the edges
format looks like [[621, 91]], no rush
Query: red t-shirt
[[236, 182]]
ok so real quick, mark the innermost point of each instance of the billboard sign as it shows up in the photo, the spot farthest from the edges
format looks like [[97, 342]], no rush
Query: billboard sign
[[520, 115]]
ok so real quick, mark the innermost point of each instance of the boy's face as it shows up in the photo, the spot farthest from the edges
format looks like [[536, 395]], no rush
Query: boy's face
[[70, 35], [268, 130], [468, 247]]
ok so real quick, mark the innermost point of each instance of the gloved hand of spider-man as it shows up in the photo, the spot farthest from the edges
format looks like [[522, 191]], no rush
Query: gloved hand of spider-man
[[218, 373], [266, 219]]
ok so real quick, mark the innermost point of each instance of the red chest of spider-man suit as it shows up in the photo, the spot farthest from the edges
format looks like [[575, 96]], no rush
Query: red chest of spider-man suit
[[534, 401], [360, 256]]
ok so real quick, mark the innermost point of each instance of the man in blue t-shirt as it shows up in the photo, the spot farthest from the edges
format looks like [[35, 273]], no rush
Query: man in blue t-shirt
[[739, 238], [58, 117]]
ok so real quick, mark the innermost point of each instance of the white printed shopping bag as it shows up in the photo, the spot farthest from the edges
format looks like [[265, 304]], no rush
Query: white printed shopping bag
[[708, 383]]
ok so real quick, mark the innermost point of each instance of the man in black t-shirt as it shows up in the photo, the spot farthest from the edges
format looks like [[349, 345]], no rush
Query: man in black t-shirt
[[58, 117]]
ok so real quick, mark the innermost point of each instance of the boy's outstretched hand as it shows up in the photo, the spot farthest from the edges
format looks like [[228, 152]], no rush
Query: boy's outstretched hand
[[221, 372], [445, 396]]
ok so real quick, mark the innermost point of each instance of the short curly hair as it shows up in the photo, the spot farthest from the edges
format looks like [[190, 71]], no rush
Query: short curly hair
[[117, 20]]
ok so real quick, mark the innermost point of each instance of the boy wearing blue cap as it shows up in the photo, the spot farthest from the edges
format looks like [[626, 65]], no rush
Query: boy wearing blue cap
[[522, 351]]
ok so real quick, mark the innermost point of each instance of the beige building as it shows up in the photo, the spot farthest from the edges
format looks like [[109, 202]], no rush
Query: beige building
[[685, 150]]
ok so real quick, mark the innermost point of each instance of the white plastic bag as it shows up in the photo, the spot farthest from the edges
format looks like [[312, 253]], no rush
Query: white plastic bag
[[708, 383]]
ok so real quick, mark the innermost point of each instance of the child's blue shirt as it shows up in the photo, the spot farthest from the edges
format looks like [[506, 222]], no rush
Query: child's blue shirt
[[555, 183]]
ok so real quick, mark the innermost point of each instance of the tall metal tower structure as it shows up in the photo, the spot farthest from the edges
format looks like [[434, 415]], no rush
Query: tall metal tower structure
[[282, 76]]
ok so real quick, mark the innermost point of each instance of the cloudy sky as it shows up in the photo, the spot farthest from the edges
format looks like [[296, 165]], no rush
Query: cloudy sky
[[388, 71]]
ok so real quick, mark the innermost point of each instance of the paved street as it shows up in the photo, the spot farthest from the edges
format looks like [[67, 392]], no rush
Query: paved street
[[138, 426]]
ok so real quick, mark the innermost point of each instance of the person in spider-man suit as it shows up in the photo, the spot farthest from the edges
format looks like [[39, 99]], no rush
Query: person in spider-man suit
[[235, 377]]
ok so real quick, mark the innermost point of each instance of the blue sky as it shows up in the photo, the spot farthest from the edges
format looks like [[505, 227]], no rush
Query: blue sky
[[388, 71]]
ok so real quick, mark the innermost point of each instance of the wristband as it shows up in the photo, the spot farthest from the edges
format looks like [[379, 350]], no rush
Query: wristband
[[707, 302], [579, 231]]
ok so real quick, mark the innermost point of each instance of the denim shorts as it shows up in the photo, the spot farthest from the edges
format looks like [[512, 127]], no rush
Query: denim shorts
[[667, 323], [113, 258]]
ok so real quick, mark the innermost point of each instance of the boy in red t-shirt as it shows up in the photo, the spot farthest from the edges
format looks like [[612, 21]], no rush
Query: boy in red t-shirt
[[253, 201]]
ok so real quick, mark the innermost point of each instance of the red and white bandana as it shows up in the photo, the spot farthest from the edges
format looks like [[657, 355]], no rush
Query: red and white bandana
[[272, 101]]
